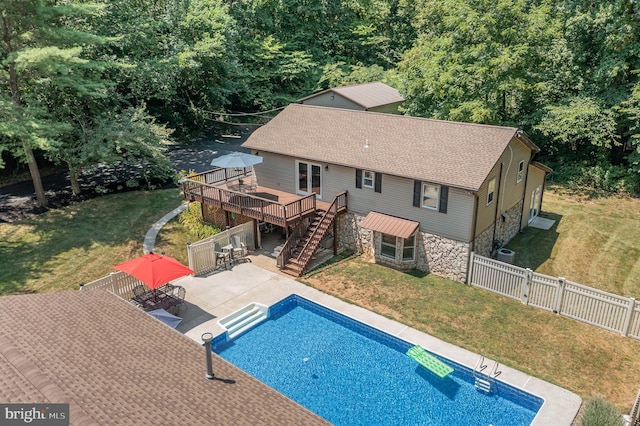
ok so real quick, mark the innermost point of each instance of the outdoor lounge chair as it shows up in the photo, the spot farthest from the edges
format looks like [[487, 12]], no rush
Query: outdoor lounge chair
[[240, 250], [221, 255]]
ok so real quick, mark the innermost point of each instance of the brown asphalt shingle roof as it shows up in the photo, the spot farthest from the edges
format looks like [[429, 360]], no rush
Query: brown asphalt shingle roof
[[367, 95], [445, 152], [115, 364]]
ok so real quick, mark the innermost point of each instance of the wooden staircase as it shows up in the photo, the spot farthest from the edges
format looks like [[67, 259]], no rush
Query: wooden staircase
[[303, 243]]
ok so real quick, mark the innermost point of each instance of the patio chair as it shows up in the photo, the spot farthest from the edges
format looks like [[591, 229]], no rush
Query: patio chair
[[221, 255], [179, 293], [240, 250]]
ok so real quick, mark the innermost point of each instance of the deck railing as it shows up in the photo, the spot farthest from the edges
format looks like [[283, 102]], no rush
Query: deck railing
[[207, 189]]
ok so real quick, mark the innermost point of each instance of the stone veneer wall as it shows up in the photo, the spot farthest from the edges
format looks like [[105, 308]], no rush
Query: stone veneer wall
[[435, 254], [510, 226], [505, 231]]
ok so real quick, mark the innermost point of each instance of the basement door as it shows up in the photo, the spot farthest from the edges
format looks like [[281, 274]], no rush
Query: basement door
[[536, 199]]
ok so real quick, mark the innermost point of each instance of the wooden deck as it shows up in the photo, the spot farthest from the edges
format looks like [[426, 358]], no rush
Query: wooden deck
[[223, 189]]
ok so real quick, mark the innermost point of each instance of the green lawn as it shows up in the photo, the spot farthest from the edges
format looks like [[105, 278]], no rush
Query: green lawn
[[58, 249], [595, 241], [584, 359]]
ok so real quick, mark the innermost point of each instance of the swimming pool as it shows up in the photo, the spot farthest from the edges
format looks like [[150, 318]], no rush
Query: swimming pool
[[350, 373]]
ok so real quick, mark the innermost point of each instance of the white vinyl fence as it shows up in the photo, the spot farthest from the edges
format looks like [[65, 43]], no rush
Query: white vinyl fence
[[116, 282], [558, 295], [201, 259], [202, 256]]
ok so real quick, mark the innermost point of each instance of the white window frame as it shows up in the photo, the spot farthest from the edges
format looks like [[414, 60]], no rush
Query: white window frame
[[422, 196], [383, 243], [398, 247], [491, 193], [413, 248], [520, 171], [368, 181]]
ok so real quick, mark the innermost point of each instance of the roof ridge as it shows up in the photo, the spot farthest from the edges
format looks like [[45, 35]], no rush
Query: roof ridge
[[385, 114]]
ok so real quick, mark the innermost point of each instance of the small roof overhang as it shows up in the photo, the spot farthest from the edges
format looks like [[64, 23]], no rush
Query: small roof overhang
[[390, 225]]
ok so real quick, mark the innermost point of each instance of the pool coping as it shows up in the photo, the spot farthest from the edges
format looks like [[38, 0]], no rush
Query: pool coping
[[223, 293]]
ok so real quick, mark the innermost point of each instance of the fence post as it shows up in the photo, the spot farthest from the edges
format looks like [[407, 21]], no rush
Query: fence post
[[113, 281], [526, 286], [627, 319], [190, 260], [470, 268], [559, 295]]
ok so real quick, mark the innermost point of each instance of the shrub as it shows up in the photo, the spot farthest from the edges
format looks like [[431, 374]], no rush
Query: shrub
[[610, 178], [192, 220], [598, 412]]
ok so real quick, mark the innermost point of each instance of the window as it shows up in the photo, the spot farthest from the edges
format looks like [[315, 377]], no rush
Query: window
[[430, 196], [388, 246], [409, 248], [368, 179], [491, 190], [520, 171]]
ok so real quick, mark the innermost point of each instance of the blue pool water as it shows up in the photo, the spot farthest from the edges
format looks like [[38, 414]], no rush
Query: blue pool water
[[352, 374]]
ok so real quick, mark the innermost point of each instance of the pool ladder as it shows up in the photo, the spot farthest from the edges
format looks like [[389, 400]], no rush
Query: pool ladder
[[485, 382]]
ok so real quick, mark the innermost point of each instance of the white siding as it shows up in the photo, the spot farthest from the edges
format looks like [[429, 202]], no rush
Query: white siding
[[396, 198]]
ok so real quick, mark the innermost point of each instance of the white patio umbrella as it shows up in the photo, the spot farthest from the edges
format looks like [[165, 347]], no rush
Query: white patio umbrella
[[236, 160]]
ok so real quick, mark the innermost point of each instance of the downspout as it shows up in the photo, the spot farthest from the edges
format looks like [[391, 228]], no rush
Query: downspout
[[474, 226], [472, 245], [524, 193], [495, 219]]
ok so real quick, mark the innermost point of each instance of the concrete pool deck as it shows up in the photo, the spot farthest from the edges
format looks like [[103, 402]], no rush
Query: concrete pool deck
[[213, 297]]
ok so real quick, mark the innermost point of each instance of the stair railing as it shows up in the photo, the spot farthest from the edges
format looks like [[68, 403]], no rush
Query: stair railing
[[289, 245], [313, 242]]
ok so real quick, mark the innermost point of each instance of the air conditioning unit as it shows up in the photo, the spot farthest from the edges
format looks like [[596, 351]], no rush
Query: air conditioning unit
[[506, 255]]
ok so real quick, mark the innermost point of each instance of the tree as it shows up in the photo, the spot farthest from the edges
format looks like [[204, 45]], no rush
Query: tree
[[131, 137], [481, 60], [37, 47], [175, 56]]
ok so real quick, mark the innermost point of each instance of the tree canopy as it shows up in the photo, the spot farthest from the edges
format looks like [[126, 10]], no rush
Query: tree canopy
[[74, 71]]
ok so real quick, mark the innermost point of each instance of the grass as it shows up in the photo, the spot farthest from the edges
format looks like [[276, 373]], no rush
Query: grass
[[576, 356], [595, 240], [58, 249]]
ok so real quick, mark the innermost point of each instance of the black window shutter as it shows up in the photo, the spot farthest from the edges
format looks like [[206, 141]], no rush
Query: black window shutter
[[358, 178], [417, 193], [378, 183], [444, 198]]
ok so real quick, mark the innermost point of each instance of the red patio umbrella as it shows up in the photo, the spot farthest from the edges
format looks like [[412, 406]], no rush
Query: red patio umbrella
[[154, 270]]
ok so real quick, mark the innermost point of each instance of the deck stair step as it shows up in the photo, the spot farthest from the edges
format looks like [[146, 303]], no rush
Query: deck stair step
[[243, 319]]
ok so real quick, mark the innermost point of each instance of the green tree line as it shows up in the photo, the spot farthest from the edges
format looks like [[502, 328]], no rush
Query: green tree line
[[85, 82]]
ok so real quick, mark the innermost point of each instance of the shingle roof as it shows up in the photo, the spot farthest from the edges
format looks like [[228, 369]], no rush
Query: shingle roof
[[368, 95], [445, 152], [115, 364]]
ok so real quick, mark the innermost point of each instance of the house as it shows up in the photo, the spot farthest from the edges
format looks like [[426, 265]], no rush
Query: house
[[115, 364], [375, 96], [408, 192]]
